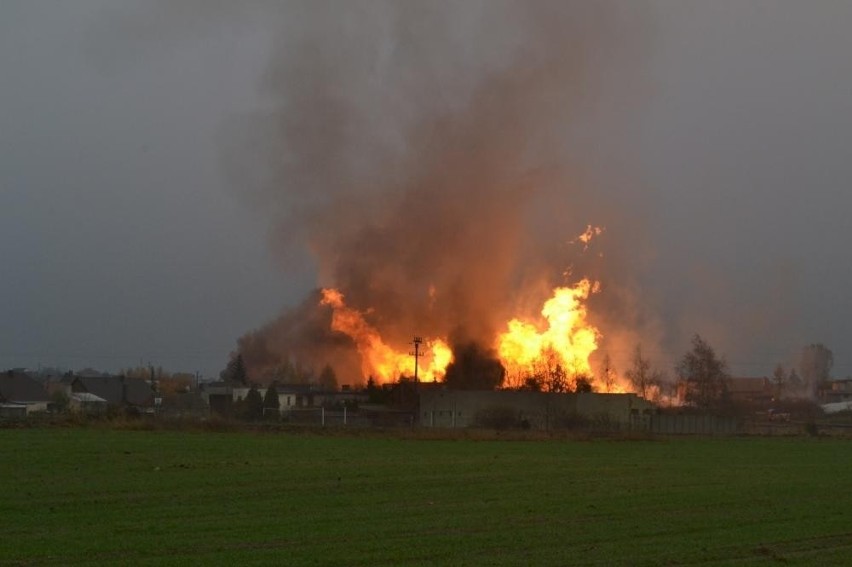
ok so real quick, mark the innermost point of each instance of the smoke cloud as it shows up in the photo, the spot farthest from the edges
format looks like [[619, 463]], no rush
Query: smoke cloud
[[437, 160]]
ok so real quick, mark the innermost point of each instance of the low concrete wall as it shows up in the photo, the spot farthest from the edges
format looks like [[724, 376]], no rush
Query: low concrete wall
[[536, 410]]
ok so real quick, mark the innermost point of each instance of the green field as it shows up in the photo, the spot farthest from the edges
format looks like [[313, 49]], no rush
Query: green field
[[95, 496]]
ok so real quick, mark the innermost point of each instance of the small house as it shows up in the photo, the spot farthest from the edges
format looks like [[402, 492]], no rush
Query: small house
[[17, 390]]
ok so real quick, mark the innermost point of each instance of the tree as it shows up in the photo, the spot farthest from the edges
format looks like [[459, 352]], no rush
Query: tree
[[607, 373], [815, 365], [60, 401], [548, 375], [705, 374], [235, 371], [556, 379], [372, 390], [474, 369], [253, 404], [779, 378], [271, 403], [642, 377], [583, 384], [533, 384], [328, 379]]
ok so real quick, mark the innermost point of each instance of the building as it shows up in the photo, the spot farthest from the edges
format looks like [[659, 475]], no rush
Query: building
[[838, 391], [221, 396], [20, 395], [90, 404], [116, 391], [751, 390]]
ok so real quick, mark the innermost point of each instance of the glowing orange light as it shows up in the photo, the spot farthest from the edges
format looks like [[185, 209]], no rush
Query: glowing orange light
[[378, 359]]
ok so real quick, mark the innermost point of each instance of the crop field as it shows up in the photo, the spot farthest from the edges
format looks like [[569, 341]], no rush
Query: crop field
[[79, 496]]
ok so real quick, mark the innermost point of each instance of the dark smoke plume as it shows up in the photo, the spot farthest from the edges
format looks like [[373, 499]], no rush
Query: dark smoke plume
[[436, 159]]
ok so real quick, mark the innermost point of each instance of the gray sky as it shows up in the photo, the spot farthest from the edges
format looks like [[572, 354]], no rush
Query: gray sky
[[122, 241]]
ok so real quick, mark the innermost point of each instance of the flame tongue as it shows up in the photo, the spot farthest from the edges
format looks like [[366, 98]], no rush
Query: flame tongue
[[568, 340], [378, 359]]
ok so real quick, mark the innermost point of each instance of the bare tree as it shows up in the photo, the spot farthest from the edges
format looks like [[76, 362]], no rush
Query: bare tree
[[706, 376], [557, 379], [546, 375], [642, 377], [606, 373]]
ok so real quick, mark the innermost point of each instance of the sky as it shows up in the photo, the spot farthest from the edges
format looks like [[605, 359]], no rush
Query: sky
[[126, 238]]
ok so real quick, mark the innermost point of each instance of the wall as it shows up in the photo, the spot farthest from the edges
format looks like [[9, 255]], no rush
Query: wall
[[536, 410]]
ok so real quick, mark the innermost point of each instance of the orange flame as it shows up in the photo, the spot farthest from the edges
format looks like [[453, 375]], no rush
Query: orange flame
[[378, 359], [588, 234], [568, 340]]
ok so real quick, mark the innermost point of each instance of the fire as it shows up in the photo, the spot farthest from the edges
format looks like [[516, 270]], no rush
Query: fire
[[378, 359], [588, 234], [568, 339]]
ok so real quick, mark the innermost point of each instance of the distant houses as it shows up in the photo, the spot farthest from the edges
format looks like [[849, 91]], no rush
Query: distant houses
[[21, 395], [114, 391], [404, 403], [223, 396]]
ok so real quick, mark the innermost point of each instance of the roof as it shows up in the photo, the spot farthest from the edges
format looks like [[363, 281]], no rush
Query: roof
[[837, 407], [292, 388], [20, 388], [87, 397], [116, 390], [747, 385]]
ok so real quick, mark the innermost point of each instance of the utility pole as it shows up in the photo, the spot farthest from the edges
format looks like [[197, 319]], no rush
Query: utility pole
[[416, 354]]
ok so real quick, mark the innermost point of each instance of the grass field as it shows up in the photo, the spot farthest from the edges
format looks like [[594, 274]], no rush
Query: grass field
[[95, 496]]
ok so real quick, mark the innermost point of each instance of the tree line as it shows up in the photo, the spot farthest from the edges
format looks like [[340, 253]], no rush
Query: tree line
[[702, 377]]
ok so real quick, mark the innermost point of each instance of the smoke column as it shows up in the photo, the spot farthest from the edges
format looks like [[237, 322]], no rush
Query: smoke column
[[437, 159]]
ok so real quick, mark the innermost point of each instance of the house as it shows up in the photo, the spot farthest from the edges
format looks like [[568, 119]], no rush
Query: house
[[221, 396], [84, 402], [751, 390], [739, 390], [838, 391], [20, 395], [117, 391]]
